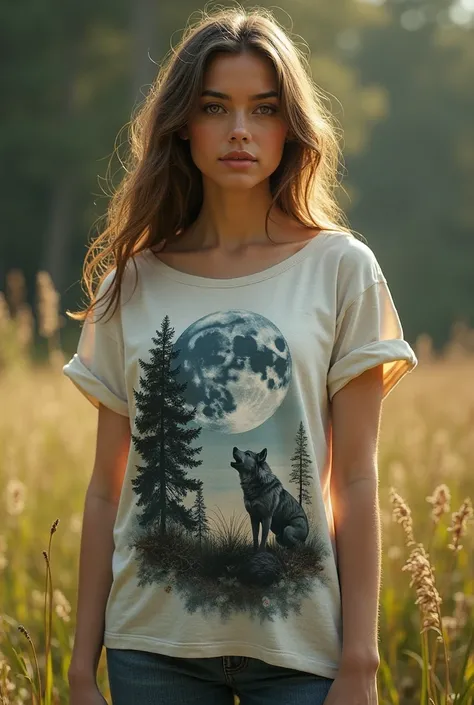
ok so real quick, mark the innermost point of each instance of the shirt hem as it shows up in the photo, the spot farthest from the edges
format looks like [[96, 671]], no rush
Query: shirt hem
[[283, 659]]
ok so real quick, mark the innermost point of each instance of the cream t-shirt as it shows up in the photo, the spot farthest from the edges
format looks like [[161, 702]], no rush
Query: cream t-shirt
[[224, 536]]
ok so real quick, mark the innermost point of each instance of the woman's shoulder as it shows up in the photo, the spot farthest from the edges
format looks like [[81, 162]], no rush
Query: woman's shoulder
[[349, 264], [351, 254], [348, 245], [133, 279]]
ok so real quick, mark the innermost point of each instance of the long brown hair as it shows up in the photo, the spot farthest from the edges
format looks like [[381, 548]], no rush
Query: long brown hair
[[161, 192]]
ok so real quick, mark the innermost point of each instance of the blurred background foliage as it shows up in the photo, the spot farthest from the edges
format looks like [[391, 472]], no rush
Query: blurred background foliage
[[398, 75]]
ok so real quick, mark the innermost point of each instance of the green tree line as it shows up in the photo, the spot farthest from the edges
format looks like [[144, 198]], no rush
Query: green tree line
[[398, 76]]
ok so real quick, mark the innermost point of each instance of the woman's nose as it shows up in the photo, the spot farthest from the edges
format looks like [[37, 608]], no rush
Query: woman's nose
[[239, 135], [240, 130]]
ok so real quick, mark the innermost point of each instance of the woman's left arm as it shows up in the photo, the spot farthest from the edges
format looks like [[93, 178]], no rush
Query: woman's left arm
[[356, 413]]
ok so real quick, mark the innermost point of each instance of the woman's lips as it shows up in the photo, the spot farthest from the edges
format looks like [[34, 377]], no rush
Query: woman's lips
[[234, 163]]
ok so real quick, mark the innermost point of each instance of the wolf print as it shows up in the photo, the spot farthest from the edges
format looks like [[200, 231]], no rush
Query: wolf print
[[268, 503]]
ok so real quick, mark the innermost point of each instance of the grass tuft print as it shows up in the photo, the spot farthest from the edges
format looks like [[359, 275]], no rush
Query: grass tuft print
[[222, 572]]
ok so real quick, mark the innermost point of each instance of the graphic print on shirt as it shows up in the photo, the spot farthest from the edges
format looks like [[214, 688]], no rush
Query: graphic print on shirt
[[226, 375]]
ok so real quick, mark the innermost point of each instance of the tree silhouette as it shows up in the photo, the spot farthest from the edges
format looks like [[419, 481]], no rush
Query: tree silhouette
[[300, 461], [164, 442], [199, 513]]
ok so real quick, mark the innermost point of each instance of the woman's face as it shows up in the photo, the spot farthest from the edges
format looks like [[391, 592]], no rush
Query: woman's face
[[238, 110]]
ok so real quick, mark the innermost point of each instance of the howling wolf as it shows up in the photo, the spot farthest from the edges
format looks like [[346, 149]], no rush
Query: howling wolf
[[268, 503]]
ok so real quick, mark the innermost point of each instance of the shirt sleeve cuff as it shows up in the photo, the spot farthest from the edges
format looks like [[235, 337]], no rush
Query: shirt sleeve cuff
[[396, 356], [93, 388]]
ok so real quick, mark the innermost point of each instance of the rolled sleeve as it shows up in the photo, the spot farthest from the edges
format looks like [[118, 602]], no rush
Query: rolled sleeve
[[368, 334], [97, 368], [94, 388]]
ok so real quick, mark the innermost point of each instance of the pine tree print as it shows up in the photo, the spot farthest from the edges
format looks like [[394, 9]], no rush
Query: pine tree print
[[164, 442], [200, 517], [300, 475]]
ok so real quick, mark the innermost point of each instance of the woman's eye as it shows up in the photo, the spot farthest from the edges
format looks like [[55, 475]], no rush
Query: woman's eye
[[214, 109], [272, 109], [209, 108]]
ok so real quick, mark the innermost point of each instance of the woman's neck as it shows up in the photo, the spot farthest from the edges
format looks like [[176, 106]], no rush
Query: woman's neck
[[231, 219]]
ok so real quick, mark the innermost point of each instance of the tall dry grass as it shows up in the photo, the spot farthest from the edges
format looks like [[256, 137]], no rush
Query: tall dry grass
[[426, 481]]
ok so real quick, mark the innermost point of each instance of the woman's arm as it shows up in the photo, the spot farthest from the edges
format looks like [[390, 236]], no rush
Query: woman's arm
[[95, 564], [356, 411]]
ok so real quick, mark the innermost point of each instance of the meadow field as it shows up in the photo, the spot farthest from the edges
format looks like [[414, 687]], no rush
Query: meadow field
[[47, 435]]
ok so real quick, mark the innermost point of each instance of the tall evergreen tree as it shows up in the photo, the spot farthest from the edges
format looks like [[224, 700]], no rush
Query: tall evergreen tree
[[300, 461], [164, 442], [199, 513]]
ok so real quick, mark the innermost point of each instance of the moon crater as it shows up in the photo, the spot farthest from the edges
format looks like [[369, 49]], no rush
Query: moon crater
[[237, 369]]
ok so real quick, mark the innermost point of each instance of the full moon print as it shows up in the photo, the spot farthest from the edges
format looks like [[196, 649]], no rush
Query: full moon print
[[237, 367]]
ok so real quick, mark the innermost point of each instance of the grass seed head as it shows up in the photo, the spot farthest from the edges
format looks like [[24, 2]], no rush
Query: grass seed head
[[402, 514], [459, 523], [422, 578], [48, 305], [15, 495], [16, 289], [25, 632], [440, 500]]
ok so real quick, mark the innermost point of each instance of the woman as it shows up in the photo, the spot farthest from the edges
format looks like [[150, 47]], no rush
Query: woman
[[231, 532]]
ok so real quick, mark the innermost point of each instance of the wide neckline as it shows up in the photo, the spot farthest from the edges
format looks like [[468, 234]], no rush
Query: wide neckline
[[246, 279]]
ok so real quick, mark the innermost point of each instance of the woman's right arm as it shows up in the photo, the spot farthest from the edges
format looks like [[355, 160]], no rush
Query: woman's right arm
[[95, 562]]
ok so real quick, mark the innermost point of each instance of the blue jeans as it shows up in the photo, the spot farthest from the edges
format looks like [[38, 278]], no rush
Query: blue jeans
[[144, 678]]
